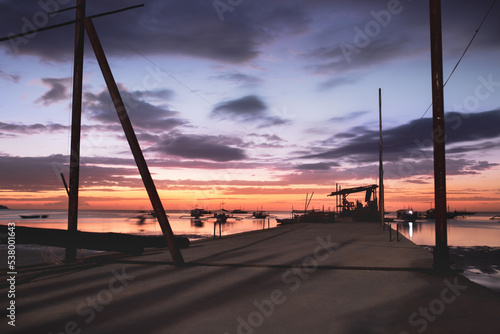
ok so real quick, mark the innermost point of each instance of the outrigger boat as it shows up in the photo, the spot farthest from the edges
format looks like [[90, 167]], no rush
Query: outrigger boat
[[197, 213], [239, 211], [222, 215], [308, 216], [260, 214], [431, 214], [407, 215]]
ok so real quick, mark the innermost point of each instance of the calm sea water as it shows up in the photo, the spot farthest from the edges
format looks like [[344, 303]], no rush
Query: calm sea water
[[469, 231], [133, 222], [476, 230]]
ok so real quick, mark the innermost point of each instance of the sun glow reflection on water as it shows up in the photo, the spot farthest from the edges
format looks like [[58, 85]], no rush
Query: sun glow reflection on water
[[470, 231], [136, 222], [474, 242]]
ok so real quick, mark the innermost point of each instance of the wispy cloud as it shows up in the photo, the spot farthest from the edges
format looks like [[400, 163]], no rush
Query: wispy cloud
[[238, 78], [9, 77], [336, 82], [59, 89], [317, 166], [18, 128], [248, 109], [144, 115], [349, 116], [215, 148]]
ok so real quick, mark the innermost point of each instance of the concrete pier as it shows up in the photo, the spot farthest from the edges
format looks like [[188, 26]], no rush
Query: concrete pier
[[345, 277]]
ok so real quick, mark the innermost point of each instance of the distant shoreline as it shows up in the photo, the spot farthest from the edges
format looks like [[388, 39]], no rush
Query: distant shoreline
[[390, 213]]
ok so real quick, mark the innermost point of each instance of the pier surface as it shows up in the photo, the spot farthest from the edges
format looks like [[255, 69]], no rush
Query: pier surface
[[345, 277]]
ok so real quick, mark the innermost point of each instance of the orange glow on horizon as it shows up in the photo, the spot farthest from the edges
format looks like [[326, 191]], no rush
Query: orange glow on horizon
[[398, 195]]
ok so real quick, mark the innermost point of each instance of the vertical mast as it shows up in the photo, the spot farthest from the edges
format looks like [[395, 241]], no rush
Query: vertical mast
[[74, 167], [441, 253], [381, 162]]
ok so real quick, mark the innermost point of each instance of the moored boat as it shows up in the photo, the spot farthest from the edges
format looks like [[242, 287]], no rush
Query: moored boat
[[239, 211], [408, 215], [197, 213], [260, 214], [310, 216], [33, 216], [286, 221]]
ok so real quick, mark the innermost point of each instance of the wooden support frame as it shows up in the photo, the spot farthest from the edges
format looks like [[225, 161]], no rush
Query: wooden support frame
[[85, 23]]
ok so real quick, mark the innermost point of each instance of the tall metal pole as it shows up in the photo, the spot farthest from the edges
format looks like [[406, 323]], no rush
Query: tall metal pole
[[76, 118], [134, 144], [441, 252], [381, 161]]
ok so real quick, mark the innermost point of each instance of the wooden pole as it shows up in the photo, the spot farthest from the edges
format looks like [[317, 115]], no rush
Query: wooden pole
[[310, 198], [441, 252], [64, 182], [305, 204], [134, 144], [76, 120], [381, 161]]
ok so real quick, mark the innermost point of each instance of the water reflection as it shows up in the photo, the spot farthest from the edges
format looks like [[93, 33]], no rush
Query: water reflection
[[476, 230], [261, 223], [196, 222], [460, 232]]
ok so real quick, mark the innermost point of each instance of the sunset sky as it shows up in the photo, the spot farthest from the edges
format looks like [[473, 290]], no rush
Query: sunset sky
[[250, 103]]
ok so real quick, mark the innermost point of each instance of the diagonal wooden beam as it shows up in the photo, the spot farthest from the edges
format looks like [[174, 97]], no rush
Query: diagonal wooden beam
[[133, 143]]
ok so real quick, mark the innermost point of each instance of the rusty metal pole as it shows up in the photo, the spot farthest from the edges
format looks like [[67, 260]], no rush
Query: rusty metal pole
[[134, 144], [441, 252], [76, 120]]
